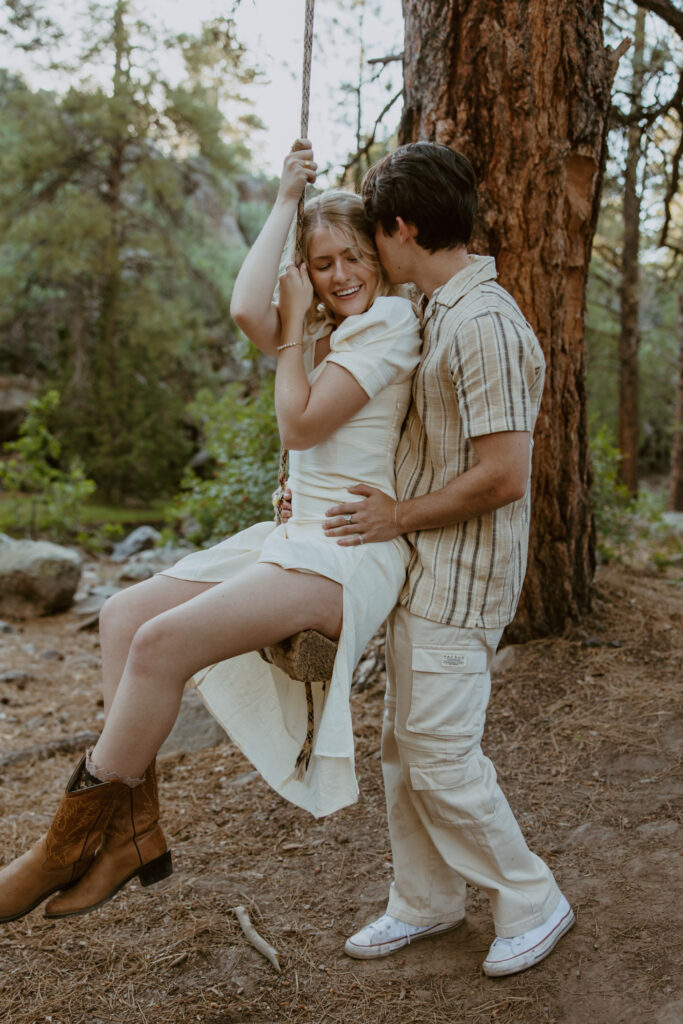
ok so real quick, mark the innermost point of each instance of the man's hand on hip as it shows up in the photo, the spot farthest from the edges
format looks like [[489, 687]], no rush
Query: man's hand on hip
[[363, 522]]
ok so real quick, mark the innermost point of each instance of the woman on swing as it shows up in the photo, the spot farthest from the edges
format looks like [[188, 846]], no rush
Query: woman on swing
[[345, 349]]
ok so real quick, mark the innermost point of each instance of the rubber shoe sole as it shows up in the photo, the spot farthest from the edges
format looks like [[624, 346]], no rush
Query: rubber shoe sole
[[530, 957], [378, 949]]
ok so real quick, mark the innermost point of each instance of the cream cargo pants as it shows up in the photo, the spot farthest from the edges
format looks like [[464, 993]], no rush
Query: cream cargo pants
[[449, 821]]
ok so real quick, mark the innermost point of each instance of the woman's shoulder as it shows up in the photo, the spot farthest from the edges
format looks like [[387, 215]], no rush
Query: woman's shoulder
[[388, 316], [391, 308]]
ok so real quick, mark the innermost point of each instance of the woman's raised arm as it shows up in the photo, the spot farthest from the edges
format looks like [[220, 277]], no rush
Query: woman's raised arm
[[307, 415], [252, 306]]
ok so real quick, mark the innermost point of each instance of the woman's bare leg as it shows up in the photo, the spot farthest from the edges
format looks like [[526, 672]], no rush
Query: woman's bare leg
[[124, 613], [261, 606]]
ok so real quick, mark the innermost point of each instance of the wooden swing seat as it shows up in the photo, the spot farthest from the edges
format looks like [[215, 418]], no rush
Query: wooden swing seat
[[307, 656]]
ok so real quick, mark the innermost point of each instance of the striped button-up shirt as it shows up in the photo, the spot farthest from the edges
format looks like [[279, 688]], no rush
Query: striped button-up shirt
[[481, 372]]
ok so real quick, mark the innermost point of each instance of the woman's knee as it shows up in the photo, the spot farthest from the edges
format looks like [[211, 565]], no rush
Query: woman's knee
[[124, 612], [114, 612], [153, 646]]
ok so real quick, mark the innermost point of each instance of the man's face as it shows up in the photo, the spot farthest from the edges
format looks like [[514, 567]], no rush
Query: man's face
[[392, 254]]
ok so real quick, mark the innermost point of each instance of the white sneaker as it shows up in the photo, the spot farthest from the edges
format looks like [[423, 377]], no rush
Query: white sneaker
[[507, 956], [387, 934]]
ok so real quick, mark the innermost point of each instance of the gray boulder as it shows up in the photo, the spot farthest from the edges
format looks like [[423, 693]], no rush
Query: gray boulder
[[139, 540], [15, 394], [94, 599], [37, 578], [194, 729], [147, 563]]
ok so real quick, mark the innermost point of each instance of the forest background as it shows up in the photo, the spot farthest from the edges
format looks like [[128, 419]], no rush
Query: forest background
[[129, 195]]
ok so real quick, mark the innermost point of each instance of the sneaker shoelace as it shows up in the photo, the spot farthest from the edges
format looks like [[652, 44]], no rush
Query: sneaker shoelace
[[391, 929]]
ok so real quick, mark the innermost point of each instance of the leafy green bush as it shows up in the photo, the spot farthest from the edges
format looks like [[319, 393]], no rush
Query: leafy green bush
[[622, 522], [251, 216], [242, 441], [613, 506], [42, 496]]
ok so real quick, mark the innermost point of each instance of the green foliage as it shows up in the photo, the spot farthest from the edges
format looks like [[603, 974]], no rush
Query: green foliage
[[657, 354], [251, 216], [628, 527], [613, 507], [115, 275], [241, 437], [660, 271], [43, 496]]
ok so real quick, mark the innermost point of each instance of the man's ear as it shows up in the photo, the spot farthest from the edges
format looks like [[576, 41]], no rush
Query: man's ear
[[406, 230]]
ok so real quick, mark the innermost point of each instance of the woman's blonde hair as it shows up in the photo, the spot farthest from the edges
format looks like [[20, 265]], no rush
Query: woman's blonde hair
[[342, 211]]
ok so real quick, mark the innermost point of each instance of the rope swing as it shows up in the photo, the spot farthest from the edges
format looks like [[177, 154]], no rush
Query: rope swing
[[303, 134], [307, 656]]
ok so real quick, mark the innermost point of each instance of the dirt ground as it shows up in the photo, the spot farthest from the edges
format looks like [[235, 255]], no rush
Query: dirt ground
[[585, 731]]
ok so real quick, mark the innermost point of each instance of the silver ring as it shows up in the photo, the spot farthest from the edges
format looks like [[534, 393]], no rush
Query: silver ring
[[347, 517], [360, 539]]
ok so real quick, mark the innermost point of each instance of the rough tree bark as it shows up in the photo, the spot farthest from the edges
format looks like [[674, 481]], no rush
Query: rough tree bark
[[523, 89], [675, 502], [629, 298]]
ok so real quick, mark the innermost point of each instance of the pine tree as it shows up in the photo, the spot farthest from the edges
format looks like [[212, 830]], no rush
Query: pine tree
[[111, 279]]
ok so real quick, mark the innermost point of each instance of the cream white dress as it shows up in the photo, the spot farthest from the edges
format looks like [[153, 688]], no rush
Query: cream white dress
[[261, 708]]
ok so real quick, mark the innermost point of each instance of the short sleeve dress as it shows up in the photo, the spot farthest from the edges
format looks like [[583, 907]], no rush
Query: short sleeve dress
[[259, 706]]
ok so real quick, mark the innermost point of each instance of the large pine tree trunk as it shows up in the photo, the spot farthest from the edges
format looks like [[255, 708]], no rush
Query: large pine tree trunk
[[523, 89]]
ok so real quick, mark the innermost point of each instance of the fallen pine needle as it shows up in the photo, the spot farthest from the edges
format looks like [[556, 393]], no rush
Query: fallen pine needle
[[255, 939]]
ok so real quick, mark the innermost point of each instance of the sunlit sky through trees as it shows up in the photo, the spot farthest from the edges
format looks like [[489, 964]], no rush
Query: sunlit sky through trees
[[272, 32]]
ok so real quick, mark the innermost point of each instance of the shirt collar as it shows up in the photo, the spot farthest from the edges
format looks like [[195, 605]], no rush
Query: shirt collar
[[479, 270]]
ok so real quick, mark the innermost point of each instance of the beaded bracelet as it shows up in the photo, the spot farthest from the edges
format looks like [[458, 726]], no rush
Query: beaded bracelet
[[290, 344]]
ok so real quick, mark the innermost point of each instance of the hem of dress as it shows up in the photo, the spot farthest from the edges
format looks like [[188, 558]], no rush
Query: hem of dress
[[317, 808]]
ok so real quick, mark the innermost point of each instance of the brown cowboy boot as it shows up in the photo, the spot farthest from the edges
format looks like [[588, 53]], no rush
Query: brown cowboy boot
[[133, 845], [64, 853]]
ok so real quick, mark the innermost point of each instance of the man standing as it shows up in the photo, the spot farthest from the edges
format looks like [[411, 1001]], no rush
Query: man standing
[[463, 469]]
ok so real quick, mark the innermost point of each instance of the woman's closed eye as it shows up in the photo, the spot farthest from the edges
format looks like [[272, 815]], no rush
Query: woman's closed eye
[[326, 266]]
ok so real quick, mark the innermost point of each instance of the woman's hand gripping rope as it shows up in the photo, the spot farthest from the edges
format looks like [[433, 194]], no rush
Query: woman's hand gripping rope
[[298, 170]]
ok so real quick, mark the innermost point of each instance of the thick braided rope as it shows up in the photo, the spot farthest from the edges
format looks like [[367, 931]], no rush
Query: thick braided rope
[[305, 103], [306, 750]]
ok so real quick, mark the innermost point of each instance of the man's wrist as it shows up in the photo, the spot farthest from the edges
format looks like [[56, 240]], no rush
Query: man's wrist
[[402, 515]]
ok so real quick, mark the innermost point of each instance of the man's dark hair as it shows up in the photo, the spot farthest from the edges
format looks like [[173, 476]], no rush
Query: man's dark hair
[[428, 185]]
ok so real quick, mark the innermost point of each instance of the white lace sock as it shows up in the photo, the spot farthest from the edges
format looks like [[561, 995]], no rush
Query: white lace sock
[[104, 775]]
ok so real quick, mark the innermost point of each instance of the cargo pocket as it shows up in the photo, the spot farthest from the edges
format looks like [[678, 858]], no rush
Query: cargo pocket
[[450, 690], [456, 794]]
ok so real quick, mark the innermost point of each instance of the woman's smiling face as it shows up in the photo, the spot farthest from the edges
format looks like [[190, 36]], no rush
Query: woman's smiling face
[[342, 280]]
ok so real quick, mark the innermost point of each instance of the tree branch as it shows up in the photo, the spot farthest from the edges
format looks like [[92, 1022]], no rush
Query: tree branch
[[648, 115], [364, 150], [667, 11], [616, 55], [386, 60], [671, 192], [257, 941]]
